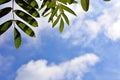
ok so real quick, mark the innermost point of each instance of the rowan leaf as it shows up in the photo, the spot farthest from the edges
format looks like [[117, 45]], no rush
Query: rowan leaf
[[17, 38], [33, 3], [68, 9], [61, 25], [27, 18], [65, 18], [56, 21], [5, 11], [27, 8], [4, 1], [26, 29], [85, 4], [5, 26]]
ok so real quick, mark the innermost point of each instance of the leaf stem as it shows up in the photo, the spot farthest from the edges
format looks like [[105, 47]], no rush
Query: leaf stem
[[13, 12]]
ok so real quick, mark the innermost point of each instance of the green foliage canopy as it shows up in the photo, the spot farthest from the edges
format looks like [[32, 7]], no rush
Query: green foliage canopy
[[55, 9]]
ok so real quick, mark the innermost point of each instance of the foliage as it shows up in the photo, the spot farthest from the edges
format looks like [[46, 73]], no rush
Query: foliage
[[55, 9]]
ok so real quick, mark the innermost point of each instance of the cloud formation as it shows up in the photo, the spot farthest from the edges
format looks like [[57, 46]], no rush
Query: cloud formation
[[70, 70], [101, 18]]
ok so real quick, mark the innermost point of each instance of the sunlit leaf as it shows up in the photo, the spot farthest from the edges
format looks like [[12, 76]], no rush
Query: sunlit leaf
[[5, 26], [56, 21], [68, 9], [4, 1], [54, 12], [25, 28], [29, 19], [5, 11], [66, 18], [52, 4], [28, 8], [63, 1], [61, 25], [17, 38], [33, 3], [85, 4]]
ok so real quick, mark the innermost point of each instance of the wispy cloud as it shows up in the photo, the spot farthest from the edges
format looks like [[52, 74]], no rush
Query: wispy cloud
[[5, 63], [69, 70]]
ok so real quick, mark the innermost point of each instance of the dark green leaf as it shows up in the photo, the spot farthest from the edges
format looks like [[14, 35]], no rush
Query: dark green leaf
[[45, 11], [25, 28], [106, 0], [5, 11], [56, 21], [28, 8], [66, 18], [43, 4], [68, 9], [33, 3], [61, 25], [29, 19], [85, 4], [46, 14], [4, 1], [17, 38], [70, 1], [5, 26]]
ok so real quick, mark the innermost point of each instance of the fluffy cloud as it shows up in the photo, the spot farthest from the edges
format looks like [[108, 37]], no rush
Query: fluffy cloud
[[101, 18], [69, 70]]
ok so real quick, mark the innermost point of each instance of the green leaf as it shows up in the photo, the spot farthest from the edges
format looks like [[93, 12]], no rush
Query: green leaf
[[56, 21], [63, 1], [61, 25], [17, 38], [5, 11], [66, 18], [43, 4], [106, 0], [5, 26], [85, 4], [29, 19], [33, 3], [28, 8], [70, 1], [25, 28], [45, 11], [54, 12], [4, 1], [52, 4], [68, 9]]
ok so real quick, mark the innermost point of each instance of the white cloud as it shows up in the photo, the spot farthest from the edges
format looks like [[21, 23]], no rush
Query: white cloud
[[69, 70], [101, 18]]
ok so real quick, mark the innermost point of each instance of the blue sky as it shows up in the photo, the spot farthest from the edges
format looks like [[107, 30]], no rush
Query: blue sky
[[88, 49]]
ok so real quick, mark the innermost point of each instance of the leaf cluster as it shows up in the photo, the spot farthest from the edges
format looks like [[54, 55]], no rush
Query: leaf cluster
[[55, 9]]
